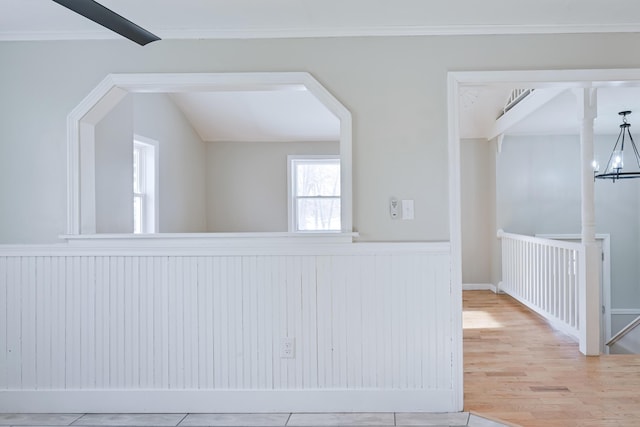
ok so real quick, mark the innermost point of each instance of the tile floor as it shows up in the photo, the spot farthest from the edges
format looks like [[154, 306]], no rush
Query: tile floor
[[387, 419]]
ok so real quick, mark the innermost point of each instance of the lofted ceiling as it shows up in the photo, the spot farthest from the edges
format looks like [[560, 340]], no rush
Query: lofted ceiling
[[257, 116]]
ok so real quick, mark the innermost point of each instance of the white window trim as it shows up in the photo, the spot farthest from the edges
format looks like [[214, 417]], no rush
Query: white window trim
[[151, 209], [82, 119], [291, 209]]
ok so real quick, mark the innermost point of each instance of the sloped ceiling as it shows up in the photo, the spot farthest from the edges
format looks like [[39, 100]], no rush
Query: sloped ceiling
[[560, 116], [481, 105], [275, 115]]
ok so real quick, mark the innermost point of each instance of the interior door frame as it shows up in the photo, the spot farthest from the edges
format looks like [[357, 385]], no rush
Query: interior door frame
[[520, 78]]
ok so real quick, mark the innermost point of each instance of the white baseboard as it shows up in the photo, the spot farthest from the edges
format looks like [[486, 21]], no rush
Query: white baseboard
[[479, 287], [236, 401]]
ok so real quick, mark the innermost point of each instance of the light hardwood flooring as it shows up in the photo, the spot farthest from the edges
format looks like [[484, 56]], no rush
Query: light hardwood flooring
[[518, 369]]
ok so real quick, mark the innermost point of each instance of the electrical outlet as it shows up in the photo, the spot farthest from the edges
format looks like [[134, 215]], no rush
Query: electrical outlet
[[288, 348]]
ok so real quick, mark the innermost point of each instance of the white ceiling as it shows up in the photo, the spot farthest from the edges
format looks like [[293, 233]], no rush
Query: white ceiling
[[180, 19], [274, 115]]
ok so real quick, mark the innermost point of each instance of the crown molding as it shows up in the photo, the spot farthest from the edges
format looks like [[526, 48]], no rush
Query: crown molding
[[327, 32], [402, 30]]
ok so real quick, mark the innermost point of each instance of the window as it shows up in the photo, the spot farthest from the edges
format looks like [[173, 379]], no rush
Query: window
[[144, 186], [314, 193]]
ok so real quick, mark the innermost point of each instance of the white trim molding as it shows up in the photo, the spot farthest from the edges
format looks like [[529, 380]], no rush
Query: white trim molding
[[329, 31], [115, 86], [216, 401], [455, 233]]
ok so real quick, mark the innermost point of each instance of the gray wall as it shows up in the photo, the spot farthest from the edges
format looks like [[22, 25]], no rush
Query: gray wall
[[395, 88], [182, 158], [114, 169], [181, 187], [478, 192], [538, 179], [247, 183], [538, 192]]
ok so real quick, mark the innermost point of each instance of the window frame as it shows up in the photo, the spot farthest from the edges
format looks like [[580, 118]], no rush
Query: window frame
[[148, 183], [291, 192]]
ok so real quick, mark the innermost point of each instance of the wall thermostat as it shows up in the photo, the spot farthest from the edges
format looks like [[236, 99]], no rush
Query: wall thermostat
[[394, 208]]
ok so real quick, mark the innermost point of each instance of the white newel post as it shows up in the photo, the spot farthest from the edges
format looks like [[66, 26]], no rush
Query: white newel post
[[589, 293]]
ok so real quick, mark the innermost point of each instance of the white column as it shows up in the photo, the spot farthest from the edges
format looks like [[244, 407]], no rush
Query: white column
[[589, 303]]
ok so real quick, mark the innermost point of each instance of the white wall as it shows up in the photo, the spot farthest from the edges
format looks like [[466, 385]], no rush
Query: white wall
[[538, 192], [478, 188], [114, 169], [247, 183], [182, 158]]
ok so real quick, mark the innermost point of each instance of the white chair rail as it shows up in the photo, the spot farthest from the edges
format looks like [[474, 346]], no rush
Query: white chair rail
[[545, 275]]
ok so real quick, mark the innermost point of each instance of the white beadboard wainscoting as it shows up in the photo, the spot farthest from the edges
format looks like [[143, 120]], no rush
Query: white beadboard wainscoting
[[140, 329]]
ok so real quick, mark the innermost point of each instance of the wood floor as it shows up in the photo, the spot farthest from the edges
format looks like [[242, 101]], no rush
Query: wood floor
[[518, 369]]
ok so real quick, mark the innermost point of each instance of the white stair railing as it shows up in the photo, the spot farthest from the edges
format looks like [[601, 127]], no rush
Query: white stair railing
[[544, 275], [515, 97]]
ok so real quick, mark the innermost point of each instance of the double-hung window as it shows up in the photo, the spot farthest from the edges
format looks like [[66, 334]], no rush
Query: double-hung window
[[144, 187], [314, 193]]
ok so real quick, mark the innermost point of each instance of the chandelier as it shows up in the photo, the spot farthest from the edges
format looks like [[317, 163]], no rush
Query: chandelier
[[615, 167]]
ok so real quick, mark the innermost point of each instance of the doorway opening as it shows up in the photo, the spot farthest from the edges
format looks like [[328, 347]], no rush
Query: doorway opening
[[458, 82]]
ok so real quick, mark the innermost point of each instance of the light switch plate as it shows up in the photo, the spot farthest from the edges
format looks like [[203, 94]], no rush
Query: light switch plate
[[407, 209]]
